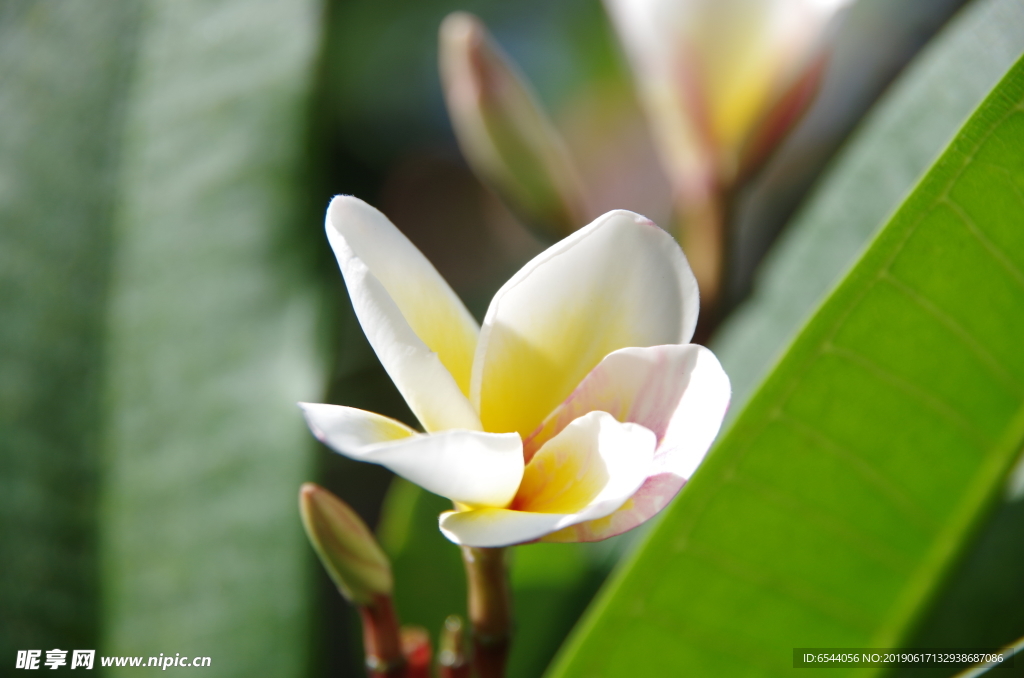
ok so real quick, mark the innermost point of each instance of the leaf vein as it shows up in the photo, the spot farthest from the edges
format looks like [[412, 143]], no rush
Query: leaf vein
[[958, 330], [922, 395], [873, 476], [849, 615], [988, 245], [839, 527]]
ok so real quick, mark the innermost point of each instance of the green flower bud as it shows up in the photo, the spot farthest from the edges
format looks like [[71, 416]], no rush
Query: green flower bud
[[346, 547], [507, 139]]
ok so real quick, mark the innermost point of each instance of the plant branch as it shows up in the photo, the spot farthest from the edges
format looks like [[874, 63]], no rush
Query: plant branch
[[381, 639], [490, 609]]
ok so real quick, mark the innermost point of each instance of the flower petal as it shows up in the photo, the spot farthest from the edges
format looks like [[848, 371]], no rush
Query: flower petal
[[470, 467], [594, 463], [584, 473], [424, 336], [681, 393], [709, 70], [351, 431], [621, 281], [640, 385], [492, 527]]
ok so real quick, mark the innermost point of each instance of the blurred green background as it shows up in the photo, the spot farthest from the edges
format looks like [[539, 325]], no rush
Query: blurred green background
[[167, 295]]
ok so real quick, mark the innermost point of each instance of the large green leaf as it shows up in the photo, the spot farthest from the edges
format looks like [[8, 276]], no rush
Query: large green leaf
[[902, 135], [56, 170], [210, 340], [981, 605], [834, 506], [157, 328]]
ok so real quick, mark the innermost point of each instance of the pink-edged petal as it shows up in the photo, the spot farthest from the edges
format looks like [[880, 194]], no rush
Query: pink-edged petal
[[643, 385], [422, 333], [585, 473], [594, 464], [469, 467], [621, 281], [654, 495], [681, 393]]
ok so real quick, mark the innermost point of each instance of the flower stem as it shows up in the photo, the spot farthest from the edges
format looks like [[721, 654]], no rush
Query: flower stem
[[703, 228], [381, 639], [490, 609], [452, 661], [703, 237]]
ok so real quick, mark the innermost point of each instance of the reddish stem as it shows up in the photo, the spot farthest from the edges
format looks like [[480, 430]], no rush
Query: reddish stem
[[381, 639], [452, 660], [490, 609]]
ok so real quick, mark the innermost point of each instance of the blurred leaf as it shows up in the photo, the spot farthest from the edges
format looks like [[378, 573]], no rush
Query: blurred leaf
[[552, 585], [158, 327], [983, 604], [842, 495], [895, 144], [56, 170], [429, 580], [210, 340]]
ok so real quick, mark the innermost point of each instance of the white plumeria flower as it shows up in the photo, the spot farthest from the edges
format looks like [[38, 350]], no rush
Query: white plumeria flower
[[723, 80], [575, 413]]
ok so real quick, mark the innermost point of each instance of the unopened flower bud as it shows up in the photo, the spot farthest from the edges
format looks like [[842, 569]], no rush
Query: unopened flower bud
[[507, 139], [346, 547]]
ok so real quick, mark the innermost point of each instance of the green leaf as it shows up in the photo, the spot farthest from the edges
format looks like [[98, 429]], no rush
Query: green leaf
[[980, 605], [842, 495], [157, 328], [894, 145], [210, 341], [56, 170], [429, 579]]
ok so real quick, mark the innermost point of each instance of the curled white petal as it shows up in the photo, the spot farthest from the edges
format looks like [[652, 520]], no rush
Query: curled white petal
[[351, 431], [621, 281], [698, 416], [584, 473], [491, 527], [681, 393], [424, 336], [470, 467]]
